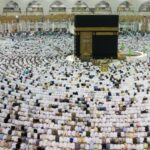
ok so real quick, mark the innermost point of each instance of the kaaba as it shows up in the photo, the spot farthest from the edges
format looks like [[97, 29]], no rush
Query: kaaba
[[96, 36]]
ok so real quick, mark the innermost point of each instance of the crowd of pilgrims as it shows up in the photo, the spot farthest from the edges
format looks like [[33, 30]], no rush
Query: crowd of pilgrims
[[48, 102]]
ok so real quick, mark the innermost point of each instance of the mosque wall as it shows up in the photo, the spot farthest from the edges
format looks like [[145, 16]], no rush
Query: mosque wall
[[134, 14], [133, 5]]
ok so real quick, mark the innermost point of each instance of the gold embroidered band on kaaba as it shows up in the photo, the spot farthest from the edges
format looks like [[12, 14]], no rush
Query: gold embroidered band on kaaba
[[96, 29], [106, 33]]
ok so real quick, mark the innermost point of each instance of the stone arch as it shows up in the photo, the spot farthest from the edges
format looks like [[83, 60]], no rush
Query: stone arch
[[145, 7], [11, 6], [57, 6], [80, 6], [34, 6], [103, 6], [124, 7]]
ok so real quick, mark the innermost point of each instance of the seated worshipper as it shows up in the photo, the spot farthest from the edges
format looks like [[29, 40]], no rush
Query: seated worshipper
[[101, 107]]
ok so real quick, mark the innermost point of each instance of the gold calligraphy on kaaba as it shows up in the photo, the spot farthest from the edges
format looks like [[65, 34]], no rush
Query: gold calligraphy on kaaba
[[86, 45], [113, 29], [106, 33]]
